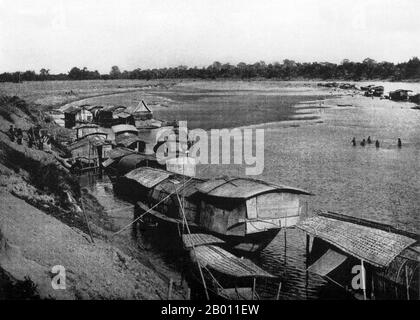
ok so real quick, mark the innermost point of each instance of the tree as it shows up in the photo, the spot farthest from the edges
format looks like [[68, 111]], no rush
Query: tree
[[44, 73], [75, 74], [412, 68], [115, 72]]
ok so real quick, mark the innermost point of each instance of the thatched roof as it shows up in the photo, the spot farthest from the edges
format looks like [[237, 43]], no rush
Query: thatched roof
[[127, 141], [372, 245], [131, 161], [242, 188], [199, 239], [119, 152], [184, 185], [72, 110], [113, 108], [124, 128], [148, 177], [96, 139], [222, 261]]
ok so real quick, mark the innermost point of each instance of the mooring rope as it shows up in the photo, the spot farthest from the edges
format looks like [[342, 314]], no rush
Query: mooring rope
[[144, 213]]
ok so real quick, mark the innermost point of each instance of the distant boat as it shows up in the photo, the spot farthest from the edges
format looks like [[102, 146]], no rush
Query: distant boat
[[245, 213]]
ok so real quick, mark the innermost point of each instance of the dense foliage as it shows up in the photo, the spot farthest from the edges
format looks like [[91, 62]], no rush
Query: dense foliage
[[288, 70]]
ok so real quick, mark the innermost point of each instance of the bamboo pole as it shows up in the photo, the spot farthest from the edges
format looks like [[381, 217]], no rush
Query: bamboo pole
[[253, 288], [198, 262], [363, 279], [170, 288], [372, 289], [407, 284], [278, 291], [86, 219]]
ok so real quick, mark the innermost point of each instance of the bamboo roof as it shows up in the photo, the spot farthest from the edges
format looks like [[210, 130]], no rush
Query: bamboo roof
[[375, 246], [185, 185], [222, 261], [124, 128], [113, 108], [199, 239], [242, 188], [96, 139], [148, 177], [119, 152], [127, 141]]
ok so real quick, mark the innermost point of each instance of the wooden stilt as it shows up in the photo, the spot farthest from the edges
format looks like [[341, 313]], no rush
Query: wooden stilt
[[363, 280], [278, 291], [253, 288], [308, 243], [170, 288], [407, 284], [372, 289], [86, 219]]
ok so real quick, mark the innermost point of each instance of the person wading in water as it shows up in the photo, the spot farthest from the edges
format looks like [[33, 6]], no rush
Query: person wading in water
[[363, 143], [399, 143], [353, 141], [368, 140], [12, 133], [377, 143]]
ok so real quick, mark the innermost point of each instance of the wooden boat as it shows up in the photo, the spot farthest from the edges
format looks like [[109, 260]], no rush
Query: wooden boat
[[246, 213], [221, 274]]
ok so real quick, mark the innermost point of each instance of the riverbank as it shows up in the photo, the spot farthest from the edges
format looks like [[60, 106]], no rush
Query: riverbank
[[42, 225]]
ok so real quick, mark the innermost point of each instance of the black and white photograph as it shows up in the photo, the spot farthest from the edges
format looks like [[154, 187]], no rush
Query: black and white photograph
[[226, 153]]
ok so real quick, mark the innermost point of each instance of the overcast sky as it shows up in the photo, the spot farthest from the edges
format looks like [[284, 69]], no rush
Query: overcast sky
[[60, 34]]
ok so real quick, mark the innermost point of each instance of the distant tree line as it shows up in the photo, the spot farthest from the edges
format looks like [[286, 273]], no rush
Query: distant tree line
[[287, 70]]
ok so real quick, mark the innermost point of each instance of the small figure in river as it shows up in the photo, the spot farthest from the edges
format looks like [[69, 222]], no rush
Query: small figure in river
[[19, 136], [399, 143], [353, 141], [363, 143], [12, 133], [377, 144], [369, 141]]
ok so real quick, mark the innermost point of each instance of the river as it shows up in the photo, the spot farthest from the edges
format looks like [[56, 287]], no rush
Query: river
[[308, 146]]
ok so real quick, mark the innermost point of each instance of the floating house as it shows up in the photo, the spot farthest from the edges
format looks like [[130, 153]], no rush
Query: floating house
[[367, 88], [122, 131], [91, 150], [77, 115], [132, 142], [342, 243], [88, 129], [105, 115], [220, 273], [141, 112], [122, 117], [399, 95], [70, 117], [247, 214], [248, 208], [123, 160]]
